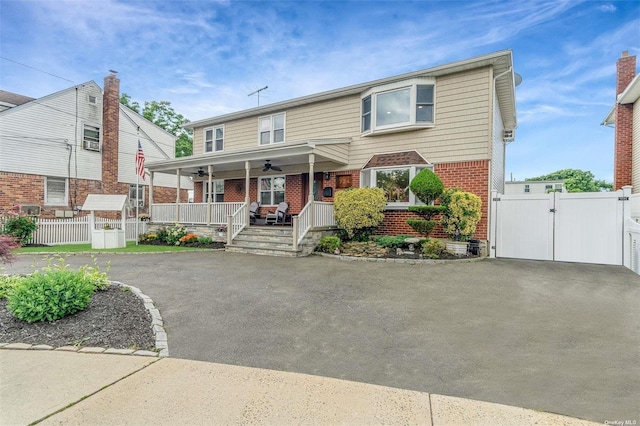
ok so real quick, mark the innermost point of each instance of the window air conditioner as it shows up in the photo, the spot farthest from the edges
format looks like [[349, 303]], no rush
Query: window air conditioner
[[92, 145], [29, 209]]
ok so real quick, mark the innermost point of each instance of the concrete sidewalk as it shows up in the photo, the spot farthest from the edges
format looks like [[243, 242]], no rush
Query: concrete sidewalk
[[73, 388]]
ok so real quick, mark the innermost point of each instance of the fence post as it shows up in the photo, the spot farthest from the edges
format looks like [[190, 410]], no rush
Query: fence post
[[229, 229], [295, 233]]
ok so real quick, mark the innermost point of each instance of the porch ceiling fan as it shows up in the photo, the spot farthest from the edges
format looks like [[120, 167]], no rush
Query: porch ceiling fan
[[200, 172], [268, 166]]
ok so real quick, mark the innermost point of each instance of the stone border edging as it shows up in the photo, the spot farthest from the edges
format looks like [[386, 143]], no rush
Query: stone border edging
[[395, 260], [157, 326]]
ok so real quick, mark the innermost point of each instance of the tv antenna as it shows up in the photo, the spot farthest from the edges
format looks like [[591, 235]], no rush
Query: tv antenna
[[258, 93]]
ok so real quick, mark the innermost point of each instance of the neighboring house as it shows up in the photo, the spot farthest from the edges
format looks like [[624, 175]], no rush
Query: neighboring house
[[533, 187], [57, 149], [454, 119], [625, 116]]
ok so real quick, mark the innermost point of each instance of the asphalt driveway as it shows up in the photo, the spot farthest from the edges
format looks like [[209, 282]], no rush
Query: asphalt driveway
[[556, 337]]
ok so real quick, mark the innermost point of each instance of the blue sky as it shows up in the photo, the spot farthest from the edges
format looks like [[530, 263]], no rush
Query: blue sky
[[206, 57]]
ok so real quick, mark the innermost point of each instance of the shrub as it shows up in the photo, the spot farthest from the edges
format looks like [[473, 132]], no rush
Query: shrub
[[174, 233], [462, 214], [359, 210], [329, 244], [189, 238], [162, 234], [7, 282], [20, 227], [422, 226], [427, 186], [54, 292], [392, 242], [49, 296], [427, 211], [432, 248], [7, 243], [205, 240]]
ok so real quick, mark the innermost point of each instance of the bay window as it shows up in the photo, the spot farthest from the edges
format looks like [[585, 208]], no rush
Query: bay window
[[398, 106], [394, 181]]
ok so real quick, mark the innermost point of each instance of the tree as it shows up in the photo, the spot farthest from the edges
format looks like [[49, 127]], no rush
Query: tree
[[163, 115], [577, 180]]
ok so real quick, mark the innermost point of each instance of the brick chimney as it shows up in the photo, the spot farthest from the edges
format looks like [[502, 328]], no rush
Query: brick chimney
[[110, 133], [626, 71]]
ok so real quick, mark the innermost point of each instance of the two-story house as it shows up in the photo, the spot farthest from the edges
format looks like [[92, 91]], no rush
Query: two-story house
[[57, 149], [524, 187], [454, 119]]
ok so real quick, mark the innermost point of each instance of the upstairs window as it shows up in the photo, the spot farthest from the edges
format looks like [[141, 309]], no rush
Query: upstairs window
[[271, 129], [527, 189], [91, 138], [214, 139], [398, 106]]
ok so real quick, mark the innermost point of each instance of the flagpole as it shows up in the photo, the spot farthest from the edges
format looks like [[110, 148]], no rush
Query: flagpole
[[137, 189]]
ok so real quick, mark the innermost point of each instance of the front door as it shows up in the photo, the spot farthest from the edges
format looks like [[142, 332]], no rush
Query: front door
[[317, 186]]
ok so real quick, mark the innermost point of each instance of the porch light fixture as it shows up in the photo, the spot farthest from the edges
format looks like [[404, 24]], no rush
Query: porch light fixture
[[327, 175], [239, 188]]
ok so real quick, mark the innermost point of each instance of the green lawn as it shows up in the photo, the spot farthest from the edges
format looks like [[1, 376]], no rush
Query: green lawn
[[130, 248]]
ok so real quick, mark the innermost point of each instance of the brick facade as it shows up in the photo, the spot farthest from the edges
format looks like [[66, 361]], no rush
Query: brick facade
[[626, 71]]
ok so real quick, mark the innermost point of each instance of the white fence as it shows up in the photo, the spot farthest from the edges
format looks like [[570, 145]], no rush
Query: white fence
[[590, 227], [194, 213], [76, 230]]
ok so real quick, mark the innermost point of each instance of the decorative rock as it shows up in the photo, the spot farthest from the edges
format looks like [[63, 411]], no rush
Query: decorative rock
[[412, 240], [399, 251]]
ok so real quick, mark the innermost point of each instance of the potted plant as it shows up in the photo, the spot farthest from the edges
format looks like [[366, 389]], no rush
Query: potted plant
[[222, 230], [143, 217], [461, 214]]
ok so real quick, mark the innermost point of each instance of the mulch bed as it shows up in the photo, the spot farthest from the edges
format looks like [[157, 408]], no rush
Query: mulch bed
[[115, 318]]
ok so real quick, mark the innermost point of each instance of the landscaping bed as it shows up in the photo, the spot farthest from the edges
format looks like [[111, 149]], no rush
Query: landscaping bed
[[115, 318]]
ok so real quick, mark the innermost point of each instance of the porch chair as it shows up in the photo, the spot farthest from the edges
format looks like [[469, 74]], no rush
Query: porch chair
[[253, 211], [279, 216]]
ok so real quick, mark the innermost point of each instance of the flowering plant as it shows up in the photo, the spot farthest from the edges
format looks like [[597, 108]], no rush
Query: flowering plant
[[143, 217], [222, 228], [189, 238], [174, 233]]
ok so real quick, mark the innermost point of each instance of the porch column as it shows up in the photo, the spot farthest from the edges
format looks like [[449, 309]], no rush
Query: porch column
[[209, 191], [312, 218], [177, 195], [247, 169], [151, 194]]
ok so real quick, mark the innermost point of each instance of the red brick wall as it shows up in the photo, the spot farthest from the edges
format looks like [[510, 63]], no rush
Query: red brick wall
[[17, 188], [626, 71]]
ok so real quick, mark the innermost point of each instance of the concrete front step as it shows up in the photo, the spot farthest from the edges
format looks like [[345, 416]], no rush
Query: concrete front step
[[263, 250]]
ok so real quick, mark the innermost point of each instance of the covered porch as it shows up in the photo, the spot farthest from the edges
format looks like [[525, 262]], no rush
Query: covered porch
[[227, 182]]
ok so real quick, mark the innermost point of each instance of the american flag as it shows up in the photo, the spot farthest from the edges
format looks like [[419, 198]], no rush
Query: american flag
[[140, 161]]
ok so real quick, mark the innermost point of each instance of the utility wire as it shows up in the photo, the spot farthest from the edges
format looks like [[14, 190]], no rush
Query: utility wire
[[28, 66]]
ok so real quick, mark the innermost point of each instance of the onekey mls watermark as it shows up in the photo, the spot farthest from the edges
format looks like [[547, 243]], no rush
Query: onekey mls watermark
[[621, 422]]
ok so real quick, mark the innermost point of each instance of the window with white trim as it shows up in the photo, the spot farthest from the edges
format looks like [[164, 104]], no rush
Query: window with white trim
[[214, 139], [271, 190], [400, 105], [271, 129], [55, 191], [136, 195], [217, 196], [527, 188], [394, 181], [91, 138]]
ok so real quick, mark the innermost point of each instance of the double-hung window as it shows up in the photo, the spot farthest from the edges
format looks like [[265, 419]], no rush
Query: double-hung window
[[271, 129], [214, 139], [394, 181], [271, 190], [398, 106], [55, 191], [136, 195], [217, 195], [91, 138]]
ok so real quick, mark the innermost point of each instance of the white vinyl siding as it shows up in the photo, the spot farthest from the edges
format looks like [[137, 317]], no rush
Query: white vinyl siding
[[635, 149], [55, 191], [497, 150]]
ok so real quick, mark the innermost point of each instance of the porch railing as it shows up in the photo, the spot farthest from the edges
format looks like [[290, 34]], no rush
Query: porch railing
[[195, 213], [322, 218], [236, 222]]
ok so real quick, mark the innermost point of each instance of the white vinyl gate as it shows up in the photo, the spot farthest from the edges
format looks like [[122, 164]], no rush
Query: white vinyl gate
[[571, 227]]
